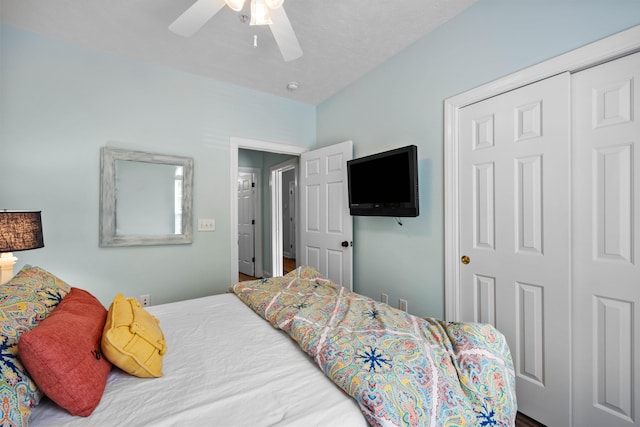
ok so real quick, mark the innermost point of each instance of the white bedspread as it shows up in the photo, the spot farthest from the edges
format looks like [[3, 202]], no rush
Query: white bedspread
[[225, 366]]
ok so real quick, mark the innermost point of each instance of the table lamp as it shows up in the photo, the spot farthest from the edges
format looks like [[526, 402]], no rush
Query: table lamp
[[19, 231]]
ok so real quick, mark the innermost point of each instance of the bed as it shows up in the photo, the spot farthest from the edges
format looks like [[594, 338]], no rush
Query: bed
[[252, 357]]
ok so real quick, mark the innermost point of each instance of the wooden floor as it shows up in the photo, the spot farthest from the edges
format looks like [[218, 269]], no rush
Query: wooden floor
[[243, 277], [288, 264], [524, 421]]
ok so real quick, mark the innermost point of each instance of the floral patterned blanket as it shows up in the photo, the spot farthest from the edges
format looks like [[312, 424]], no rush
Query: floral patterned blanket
[[402, 370]]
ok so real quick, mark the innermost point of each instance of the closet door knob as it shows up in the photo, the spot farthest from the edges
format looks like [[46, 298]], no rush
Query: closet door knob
[[465, 259]]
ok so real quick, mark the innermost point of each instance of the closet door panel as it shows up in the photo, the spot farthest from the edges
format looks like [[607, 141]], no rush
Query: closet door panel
[[514, 228], [606, 236]]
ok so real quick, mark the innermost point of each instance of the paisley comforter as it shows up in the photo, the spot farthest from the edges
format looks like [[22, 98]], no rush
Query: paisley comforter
[[402, 370]]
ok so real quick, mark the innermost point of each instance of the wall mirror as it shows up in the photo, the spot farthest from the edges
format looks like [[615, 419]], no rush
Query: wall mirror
[[145, 198]]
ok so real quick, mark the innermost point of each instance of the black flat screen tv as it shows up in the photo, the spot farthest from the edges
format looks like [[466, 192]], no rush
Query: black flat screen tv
[[385, 184]]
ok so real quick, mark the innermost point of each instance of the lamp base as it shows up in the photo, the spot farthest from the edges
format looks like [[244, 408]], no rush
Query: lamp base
[[6, 266]]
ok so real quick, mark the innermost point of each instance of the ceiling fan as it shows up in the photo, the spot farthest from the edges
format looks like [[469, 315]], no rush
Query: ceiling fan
[[263, 12]]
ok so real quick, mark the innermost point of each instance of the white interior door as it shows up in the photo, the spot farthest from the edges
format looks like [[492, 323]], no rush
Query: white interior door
[[325, 224], [606, 126], [246, 223], [514, 233]]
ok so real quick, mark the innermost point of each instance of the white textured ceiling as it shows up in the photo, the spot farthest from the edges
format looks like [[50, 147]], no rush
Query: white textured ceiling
[[341, 39]]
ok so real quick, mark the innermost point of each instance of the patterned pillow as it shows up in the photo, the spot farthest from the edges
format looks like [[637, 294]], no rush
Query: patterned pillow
[[24, 302]]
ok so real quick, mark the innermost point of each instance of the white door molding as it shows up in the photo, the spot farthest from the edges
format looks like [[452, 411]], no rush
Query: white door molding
[[236, 143], [293, 216], [607, 49], [275, 183]]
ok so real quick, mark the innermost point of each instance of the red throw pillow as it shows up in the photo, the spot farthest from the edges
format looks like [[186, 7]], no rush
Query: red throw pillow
[[62, 354]]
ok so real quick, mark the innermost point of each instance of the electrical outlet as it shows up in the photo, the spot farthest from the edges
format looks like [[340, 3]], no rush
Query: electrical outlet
[[402, 303], [145, 300], [384, 298], [206, 224]]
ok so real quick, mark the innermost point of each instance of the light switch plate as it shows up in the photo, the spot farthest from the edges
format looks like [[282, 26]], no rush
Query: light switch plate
[[206, 224]]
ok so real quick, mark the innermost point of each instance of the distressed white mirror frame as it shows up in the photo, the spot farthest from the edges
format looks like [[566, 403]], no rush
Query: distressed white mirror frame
[[108, 235]]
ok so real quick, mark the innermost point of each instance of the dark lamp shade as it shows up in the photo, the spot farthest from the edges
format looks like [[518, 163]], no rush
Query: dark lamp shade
[[20, 231]]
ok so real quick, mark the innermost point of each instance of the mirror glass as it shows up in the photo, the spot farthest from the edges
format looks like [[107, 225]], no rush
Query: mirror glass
[[148, 198], [145, 198]]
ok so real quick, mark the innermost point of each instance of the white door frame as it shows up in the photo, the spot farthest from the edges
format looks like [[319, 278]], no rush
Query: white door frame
[[257, 215], [293, 222], [275, 183], [609, 48], [235, 143]]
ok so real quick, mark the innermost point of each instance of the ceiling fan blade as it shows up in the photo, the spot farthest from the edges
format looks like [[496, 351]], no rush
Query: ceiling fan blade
[[196, 16], [284, 35]]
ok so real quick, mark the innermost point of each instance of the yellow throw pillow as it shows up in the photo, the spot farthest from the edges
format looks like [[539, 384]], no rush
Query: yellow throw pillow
[[132, 339]]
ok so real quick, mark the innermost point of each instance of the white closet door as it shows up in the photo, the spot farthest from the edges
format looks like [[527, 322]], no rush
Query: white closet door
[[606, 239], [514, 229]]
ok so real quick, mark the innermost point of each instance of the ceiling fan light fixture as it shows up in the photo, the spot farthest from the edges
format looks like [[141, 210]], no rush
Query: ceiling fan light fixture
[[259, 13], [274, 4], [236, 5]]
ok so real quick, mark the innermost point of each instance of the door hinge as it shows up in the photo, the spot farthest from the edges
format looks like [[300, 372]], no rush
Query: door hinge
[[253, 260], [253, 184], [253, 222]]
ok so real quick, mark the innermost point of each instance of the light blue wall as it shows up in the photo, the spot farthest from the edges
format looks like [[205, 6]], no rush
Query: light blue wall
[[401, 103], [59, 103]]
